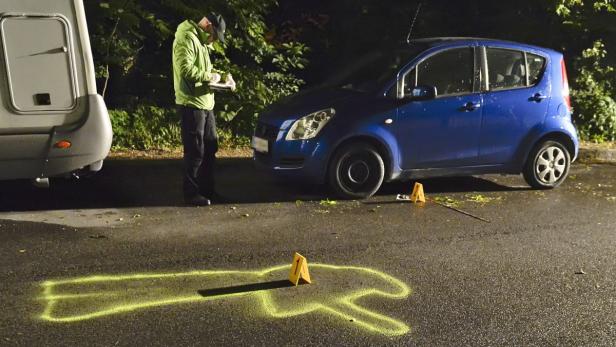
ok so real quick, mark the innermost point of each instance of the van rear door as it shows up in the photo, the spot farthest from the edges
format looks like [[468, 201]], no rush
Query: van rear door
[[39, 63]]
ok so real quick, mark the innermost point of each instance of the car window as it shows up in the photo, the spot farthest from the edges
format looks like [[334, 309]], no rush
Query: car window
[[410, 81], [368, 72], [506, 69], [536, 65], [451, 72]]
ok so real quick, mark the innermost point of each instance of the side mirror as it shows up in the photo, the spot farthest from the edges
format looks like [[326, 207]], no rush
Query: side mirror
[[420, 93]]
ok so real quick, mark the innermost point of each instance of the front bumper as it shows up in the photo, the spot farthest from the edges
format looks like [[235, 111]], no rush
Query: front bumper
[[304, 161]]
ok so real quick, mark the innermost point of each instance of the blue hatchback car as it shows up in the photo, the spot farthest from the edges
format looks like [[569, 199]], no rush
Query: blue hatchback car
[[435, 107]]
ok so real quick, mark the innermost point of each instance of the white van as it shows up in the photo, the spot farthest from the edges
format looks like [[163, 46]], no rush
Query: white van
[[52, 121]]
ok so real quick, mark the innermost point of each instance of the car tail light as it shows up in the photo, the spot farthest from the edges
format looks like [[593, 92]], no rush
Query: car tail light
[[565, 85]]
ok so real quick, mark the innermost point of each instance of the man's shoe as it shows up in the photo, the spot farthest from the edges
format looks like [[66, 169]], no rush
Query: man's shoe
[[215, 197], [198, 200], [218, 199]]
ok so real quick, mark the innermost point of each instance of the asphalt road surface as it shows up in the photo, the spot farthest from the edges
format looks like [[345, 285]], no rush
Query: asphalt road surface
[[117, 260]]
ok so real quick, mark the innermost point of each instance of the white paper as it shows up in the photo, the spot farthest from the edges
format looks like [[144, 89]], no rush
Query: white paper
[[228, 84]]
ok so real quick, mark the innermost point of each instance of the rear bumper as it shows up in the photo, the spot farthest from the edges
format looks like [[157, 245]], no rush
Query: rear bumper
[[35, 156], [91, 141]]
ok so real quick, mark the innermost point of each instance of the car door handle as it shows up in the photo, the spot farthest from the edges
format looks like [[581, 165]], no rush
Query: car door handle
[[538, 97], [471, 106]]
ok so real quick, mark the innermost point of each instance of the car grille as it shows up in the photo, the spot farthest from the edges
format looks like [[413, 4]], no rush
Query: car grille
[[292, 162], [266, 131]]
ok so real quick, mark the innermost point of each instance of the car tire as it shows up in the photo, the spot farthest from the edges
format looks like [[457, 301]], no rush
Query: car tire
[[356, 171], [548, 165]]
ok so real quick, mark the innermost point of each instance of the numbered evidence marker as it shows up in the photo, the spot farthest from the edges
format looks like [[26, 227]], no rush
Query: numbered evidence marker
[[418, 194], [299, 270]]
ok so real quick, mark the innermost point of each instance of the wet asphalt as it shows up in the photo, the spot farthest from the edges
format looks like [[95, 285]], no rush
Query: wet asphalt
[[541, 272]]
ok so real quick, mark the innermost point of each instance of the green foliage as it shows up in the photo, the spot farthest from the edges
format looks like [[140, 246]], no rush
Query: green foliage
[[146, 127], [595, 107], [120, 29], [569, 9], [150, 127], [132, 41], [594, 85]]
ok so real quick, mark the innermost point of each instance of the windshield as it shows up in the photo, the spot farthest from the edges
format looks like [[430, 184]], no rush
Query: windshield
[[370, 71]]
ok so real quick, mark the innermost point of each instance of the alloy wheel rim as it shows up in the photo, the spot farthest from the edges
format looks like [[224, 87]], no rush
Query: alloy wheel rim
[[551, 165]]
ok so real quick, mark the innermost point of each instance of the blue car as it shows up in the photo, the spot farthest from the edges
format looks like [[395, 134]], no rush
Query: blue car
[[434, 107]]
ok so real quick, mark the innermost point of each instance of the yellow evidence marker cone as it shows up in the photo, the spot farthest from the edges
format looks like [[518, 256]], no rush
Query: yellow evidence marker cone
[[299, 270], [418, 194]]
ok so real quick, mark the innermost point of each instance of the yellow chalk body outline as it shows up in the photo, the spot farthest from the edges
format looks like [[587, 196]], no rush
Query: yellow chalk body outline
[[390, 326]]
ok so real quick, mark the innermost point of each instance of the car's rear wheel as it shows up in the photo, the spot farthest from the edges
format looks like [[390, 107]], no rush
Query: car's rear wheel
[[548, 165], [356, 171]]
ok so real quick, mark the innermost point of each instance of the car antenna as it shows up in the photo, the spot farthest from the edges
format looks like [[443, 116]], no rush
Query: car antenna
[[408, 37]]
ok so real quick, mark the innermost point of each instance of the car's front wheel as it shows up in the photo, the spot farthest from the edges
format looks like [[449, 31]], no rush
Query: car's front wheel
[[356, 171], [547, 166]]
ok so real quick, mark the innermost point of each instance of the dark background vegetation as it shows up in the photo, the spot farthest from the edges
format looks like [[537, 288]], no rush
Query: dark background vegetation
[[276, 48]]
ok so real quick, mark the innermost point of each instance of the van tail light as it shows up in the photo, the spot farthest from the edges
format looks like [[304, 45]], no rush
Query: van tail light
[[566, 93], [64, 144]]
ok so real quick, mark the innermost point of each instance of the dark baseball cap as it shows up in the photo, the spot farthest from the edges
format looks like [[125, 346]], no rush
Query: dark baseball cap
[[219, 25]]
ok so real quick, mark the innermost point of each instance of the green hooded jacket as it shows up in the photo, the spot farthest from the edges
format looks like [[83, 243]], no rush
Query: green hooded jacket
[[192, 67]]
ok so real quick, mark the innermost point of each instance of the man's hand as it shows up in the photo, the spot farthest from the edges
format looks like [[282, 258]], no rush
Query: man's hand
[[215, 78], [231, 82]]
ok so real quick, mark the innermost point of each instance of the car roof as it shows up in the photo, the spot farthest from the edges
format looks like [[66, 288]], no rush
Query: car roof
[[437, 41]]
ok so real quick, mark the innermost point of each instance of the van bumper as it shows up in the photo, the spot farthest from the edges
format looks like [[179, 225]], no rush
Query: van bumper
[[90, 141]]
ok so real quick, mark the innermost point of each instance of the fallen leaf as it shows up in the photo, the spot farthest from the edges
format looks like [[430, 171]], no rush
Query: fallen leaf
[[448, 201], [328, 202], [481, 199]]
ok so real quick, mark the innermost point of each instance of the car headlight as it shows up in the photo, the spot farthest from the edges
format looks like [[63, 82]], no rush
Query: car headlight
[[309, 127]]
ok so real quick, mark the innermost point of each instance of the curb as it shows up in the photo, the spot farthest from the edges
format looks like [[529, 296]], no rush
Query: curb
[[587, 155], [597, 156]]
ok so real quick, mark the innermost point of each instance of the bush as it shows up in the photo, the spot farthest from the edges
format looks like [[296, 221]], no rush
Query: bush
[[593, 96], [146, 127], [132, 43], [151, 127]]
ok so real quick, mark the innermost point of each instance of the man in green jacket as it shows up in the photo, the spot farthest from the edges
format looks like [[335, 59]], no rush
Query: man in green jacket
[[192, 75]]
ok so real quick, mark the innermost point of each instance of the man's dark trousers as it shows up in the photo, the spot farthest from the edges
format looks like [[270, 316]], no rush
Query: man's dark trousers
[[200, 146]]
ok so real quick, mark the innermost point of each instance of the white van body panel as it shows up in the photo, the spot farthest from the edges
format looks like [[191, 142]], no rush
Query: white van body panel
[[48, 91]]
